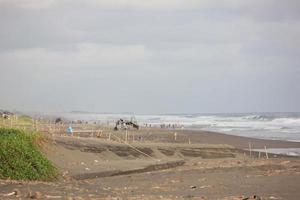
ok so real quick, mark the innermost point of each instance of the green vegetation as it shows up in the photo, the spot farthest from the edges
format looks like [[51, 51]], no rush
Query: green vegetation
[[20, 157]]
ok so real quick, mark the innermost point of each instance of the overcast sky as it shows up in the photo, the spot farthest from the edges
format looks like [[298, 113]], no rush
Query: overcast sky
[[142, 56]]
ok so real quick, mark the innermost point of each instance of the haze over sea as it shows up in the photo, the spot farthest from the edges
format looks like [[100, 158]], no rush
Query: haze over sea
[[275, 126]]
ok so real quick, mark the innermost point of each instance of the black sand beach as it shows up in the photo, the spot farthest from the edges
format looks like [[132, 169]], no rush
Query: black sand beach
[[197, 165]]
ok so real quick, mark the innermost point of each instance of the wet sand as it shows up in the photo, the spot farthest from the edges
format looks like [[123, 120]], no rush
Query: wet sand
[[207, 137]]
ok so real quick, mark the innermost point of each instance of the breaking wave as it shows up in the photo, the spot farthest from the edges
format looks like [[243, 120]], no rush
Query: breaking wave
[[280, 126]]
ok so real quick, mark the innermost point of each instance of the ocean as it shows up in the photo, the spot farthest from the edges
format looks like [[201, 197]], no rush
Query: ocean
[[274, 126]]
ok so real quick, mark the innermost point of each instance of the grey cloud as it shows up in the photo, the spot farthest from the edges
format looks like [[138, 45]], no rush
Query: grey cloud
[[157, 57]]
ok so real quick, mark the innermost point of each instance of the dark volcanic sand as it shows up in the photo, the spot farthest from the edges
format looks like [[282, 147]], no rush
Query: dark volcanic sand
[[206, 137], [209, 171], [220, 179]]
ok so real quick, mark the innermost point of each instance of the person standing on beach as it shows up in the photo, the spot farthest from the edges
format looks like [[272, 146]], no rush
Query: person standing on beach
[[70, 130]]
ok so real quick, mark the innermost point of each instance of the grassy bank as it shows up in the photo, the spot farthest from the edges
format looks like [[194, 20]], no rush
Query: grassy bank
[[20, 157]]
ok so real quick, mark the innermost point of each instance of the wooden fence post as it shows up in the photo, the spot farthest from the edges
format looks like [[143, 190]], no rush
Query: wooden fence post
[[250, 150], [266, 152]]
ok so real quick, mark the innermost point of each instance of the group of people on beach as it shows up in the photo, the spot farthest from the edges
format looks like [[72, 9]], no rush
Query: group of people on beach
[[166, 126]]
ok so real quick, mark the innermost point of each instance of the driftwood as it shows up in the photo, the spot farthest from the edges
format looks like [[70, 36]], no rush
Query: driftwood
[[15, 192]]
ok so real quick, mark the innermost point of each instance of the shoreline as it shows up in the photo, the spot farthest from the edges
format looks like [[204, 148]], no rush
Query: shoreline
[[210, 137], [233, 134]]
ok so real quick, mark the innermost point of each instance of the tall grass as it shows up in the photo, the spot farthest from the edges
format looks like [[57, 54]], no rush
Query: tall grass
[[20, 157]]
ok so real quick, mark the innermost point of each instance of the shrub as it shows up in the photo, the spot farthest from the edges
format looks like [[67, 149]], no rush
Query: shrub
[[21, 158]]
